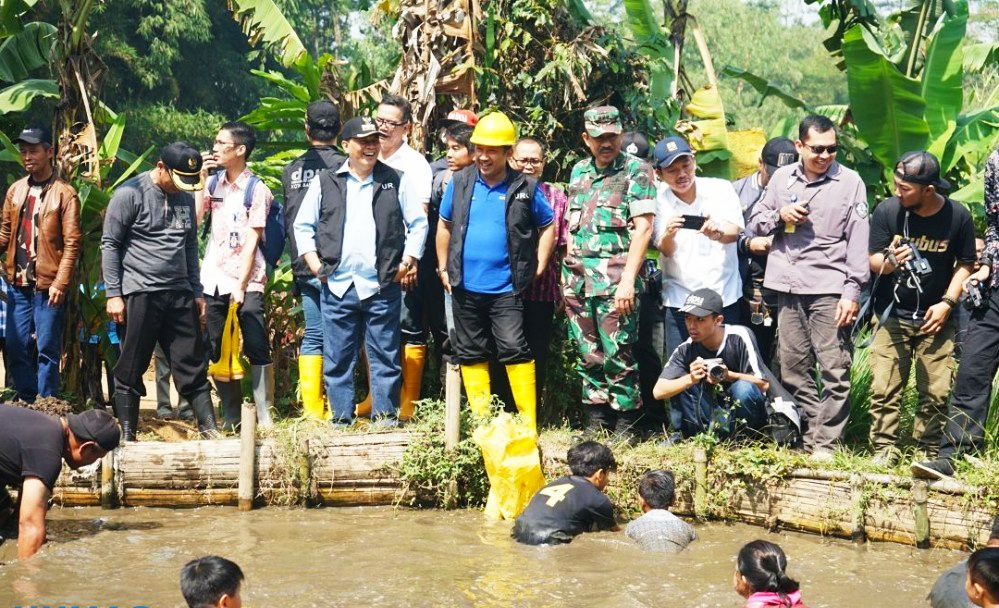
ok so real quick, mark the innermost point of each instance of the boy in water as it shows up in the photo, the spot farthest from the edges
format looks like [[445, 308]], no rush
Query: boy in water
[[983, 577], [571, 505], [658, 529], [211, 582]]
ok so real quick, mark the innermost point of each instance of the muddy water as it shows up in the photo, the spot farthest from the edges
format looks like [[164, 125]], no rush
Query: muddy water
[[386, 557]]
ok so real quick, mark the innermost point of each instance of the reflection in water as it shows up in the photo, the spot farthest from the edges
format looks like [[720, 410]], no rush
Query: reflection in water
[[385, 557]]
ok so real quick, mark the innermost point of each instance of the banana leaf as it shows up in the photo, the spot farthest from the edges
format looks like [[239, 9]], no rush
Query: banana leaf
[[765, 88], [887, 106], [263, 21], [18, 97], [26, 51], [975, 136], [942, 77], [10, 15]]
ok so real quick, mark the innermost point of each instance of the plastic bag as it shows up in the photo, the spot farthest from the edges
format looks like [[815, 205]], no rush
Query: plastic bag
[[228, 367], [510, 451]]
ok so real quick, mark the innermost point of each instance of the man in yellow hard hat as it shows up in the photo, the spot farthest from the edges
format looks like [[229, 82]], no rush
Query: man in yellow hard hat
[[509, 227]]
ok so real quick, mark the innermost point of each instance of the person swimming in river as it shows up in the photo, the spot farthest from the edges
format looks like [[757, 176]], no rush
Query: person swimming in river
[[982, 584], [211, 582], [571, 505], [658, 529], [761, 578]]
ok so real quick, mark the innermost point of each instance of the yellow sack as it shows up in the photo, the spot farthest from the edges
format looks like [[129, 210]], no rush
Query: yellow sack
[[510, 451], [228, 367]]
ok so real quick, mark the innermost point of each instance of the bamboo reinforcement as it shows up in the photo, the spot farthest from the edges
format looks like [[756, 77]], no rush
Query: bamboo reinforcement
[[363, 469]]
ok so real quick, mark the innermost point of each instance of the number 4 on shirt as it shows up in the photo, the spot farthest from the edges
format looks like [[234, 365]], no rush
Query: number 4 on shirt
[[555, 494]]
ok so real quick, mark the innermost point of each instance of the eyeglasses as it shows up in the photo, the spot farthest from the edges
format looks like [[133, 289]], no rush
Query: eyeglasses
[[821, 149], [534, 162], [384, 122], [219, 142]]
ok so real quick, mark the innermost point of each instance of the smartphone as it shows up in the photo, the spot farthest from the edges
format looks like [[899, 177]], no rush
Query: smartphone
[[693, 222]]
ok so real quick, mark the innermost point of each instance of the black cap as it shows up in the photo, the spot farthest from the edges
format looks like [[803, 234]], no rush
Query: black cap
[[669, 149], [35, 134], [702, 303], [184, 164], [920, 168], [778, 152], [359, 127], [636, 144], [323, 114], [97, 426]]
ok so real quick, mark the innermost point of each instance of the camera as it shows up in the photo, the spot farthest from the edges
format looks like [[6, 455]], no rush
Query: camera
[[693, 222], [716, 369], [914, 269], [976, 295]]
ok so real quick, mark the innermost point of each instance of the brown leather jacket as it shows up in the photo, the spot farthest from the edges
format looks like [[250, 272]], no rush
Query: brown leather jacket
[[58, 232]]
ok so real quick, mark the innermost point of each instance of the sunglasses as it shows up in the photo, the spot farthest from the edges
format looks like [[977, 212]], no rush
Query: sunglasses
[[821, 149]]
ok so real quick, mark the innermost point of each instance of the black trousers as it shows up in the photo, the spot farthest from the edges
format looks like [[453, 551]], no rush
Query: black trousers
[[539, 319], [169, 318], [647, 356], [484, 320], [969, 406], [252, 326]]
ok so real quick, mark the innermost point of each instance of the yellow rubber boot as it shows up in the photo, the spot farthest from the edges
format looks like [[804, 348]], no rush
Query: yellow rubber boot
[[477, 389], [310, 383], [523, 385], [363, 408], [414, 356]]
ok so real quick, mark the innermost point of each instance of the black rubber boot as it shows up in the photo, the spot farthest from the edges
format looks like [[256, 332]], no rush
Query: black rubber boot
[[126, 407], [204, 411], [231, 398]]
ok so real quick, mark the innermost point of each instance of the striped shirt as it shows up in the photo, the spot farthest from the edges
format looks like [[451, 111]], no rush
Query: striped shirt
[[546, 287]]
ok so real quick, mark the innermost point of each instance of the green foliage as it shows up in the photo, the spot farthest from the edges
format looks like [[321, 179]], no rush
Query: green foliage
[[263, 22], [18, 97], [159, 124], [434, 475]]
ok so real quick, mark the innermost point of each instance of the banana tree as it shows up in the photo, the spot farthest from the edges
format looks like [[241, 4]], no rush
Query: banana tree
[[24, 49]]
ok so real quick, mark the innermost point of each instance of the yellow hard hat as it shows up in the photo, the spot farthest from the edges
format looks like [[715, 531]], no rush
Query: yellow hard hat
[[494, 129]]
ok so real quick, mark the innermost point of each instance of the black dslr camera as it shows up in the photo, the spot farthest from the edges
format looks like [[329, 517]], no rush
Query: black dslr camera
[[915, 269], [976, 295]]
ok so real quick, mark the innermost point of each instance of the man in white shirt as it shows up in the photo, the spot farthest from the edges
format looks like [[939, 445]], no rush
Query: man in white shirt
[[697, 225]]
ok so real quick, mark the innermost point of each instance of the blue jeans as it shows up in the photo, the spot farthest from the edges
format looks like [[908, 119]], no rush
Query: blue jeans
[[28, 312], [312, 337], [702, 410], [348, 320]]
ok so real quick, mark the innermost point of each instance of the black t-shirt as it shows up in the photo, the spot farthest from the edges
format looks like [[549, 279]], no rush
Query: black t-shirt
[[295, 182], [562, 510], [31, 445], [738, 350], [945, 238]]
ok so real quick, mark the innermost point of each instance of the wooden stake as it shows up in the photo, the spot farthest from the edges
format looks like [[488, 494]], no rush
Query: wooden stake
[[452, 406], [109, 494], [858, 507], [920, 496], [247, 455], [700, 481]]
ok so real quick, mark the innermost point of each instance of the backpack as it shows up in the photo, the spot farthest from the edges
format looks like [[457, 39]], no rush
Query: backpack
[[272, 243]]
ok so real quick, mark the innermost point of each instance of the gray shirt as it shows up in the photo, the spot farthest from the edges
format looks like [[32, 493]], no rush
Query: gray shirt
[[660, 530], [827, 254], [150, 240], [948, 592]]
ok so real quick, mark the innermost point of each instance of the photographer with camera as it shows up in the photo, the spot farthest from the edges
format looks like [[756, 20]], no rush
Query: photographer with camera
[[969, 405], [922, 249], [717, 374]]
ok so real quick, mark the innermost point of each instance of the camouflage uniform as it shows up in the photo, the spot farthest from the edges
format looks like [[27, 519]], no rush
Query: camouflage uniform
[[601, 205]]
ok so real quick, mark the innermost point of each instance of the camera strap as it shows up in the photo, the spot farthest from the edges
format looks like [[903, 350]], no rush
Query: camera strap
[[861, 320]]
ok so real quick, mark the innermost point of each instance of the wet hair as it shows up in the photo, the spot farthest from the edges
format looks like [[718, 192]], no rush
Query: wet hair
[[763, 564], [588, 457], [400, 102], [461, 134], [983, 569], [820, 123], [658, 489], [242, 135], [532, 140], [205, 580]]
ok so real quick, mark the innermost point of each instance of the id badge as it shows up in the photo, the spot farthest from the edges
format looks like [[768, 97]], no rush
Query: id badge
[[757, 318], [767, 322], [233, 240]]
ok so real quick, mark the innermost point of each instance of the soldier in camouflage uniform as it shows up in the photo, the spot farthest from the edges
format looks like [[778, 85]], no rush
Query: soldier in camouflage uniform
[[612, 199]]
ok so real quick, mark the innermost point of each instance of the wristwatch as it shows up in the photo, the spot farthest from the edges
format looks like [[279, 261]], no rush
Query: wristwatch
[[949, 301], [441, 271]]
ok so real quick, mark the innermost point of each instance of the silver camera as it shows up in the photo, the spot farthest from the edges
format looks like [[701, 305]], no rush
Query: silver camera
[[716, 368]]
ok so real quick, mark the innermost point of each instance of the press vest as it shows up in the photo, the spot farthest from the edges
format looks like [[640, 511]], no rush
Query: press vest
[[390, 226], [521, 233]]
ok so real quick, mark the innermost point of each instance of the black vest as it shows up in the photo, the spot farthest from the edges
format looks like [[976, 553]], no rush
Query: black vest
[[390, 227], [295, 182], [521, 233]]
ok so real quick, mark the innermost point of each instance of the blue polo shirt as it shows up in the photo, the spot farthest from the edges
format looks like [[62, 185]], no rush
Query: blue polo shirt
[[486, 260]]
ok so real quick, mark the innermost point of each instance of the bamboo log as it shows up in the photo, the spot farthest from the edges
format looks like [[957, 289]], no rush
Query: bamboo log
[[109, 497], [247, 454], [700, 481], [452, 405]]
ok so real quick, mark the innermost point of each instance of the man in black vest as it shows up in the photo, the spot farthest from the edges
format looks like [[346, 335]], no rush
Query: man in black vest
[[508, 223], [361, 234], [322, 123]]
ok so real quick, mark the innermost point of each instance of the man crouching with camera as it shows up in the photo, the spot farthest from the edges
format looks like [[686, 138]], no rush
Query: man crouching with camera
[[923, 247], [969, 407], [720, 370]]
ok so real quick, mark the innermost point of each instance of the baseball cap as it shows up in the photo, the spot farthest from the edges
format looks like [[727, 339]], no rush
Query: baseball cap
[[778, 152], [601, 120], [920, 168], [460, 117], [669, 149], [323, 114], [702, 303], [35, 134], [184, 164], [359, 127], [95, 425], [636, 144]]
